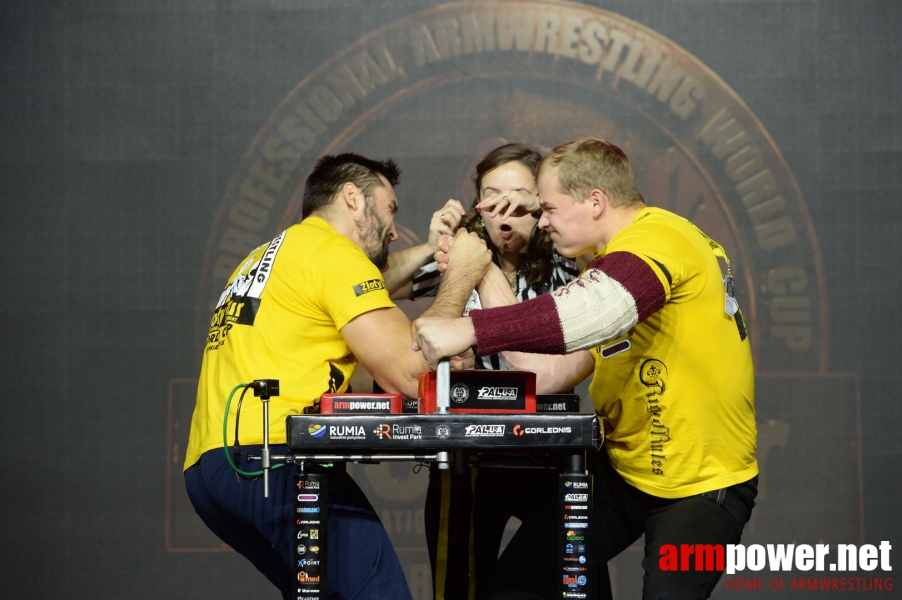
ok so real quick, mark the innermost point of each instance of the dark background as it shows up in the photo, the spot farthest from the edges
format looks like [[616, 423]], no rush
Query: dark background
[[120, 126]]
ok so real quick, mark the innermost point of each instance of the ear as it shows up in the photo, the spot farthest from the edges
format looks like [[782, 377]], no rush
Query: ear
[[352, 196], [598, 203]]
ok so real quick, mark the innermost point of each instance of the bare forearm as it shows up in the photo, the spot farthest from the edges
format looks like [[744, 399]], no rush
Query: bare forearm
[[452, 296], [468, 260], [381, 341], [494, 289], [554, 373], [402, 266]]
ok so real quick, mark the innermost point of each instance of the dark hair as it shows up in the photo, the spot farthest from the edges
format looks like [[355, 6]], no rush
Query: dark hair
[[332, 172], [537, 258]]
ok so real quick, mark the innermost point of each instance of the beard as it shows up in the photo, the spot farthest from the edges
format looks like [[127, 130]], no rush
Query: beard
[[374, 236], [380, 258]]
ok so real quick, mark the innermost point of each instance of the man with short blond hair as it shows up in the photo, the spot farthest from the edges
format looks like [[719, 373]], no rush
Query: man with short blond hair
[[655, 319], [591, 163]]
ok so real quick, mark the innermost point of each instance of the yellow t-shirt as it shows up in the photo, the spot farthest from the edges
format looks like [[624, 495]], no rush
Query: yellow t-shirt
[[280, 317], [677, 401]]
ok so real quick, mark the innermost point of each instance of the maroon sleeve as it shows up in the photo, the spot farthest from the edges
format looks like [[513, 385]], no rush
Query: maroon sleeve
[[528, 326], [535, 326], [637, 277]]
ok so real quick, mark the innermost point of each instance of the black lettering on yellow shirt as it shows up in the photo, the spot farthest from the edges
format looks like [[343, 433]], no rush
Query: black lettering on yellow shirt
[[369, 286]]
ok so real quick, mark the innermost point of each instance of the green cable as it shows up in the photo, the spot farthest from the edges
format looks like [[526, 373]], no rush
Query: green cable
[[225, 438]]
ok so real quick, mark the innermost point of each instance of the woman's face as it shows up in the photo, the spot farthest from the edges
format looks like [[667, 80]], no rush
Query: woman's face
[[512, 235]]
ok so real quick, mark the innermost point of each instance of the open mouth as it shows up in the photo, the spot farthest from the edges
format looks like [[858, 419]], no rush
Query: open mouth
[[506, 231]]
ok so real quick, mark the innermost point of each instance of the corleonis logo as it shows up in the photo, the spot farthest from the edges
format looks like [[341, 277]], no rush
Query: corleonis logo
[[518, 430], [369, 286]]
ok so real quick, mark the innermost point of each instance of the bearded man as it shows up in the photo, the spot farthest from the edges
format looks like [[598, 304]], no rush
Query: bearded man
[[305, 308]]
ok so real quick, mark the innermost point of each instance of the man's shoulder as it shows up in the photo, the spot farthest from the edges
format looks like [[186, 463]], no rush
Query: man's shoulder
[[654, 224], [316, 235], [654, 216], [650, 224], [664, 237]]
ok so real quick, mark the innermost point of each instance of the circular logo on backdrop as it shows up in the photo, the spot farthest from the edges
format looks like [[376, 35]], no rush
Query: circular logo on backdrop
[[437, 89]]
